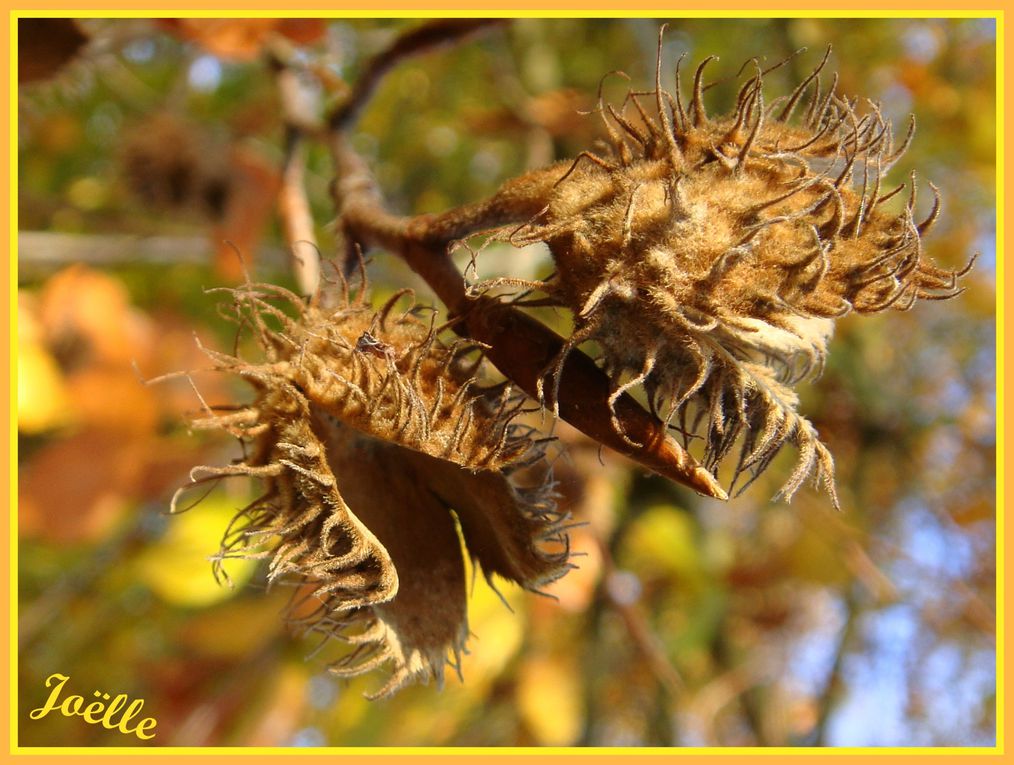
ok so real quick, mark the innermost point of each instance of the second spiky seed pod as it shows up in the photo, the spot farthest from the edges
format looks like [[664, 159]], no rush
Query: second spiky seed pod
[[709, 256]]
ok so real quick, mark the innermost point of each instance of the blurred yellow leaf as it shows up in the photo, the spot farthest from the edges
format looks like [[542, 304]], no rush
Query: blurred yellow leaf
[[178, 567], [88, 193], [496, 629], [663, 541], [235, 629], [42, 397], [549, 699]]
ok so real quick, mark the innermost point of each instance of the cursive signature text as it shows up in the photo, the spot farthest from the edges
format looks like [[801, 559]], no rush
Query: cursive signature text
[[114, 714]]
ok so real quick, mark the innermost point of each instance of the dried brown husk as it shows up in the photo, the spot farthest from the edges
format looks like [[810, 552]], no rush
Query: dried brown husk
[[171, 164], [367, 432], [709, 256]]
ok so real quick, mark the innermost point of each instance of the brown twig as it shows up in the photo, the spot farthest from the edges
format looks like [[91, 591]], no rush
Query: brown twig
[[420, 39], [640, 631], [297, 220], [827, 699], [523, 348], [520, 347], [300, 112]]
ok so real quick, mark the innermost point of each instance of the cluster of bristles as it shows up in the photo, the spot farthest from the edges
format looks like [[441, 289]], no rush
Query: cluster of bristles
[[366, 431], [708, 256]]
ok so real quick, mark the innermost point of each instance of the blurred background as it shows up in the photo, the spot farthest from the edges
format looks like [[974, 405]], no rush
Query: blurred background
[[149, 152]]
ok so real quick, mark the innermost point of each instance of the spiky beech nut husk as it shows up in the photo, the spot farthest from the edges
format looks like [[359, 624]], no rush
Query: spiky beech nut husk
[[709, 256], [367, 431], [171, 164]]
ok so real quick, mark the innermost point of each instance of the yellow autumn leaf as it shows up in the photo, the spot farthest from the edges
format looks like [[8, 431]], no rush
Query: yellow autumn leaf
[[178, 567], [663, 541], [42, 396], [549, 700], [496, 632]]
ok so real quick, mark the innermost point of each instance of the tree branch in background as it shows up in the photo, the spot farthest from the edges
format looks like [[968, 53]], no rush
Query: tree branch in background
[[42, 252], [300, 111], [828, 698], [646, 641], [420, 39], [297, 220]]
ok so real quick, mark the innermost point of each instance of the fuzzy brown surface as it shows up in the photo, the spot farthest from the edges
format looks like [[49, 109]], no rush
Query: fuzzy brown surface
[[709, 256], [367, 432]]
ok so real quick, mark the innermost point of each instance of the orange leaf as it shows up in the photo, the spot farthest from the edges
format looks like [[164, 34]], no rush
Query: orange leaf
[[113, 399], [240, 39], [303, 31], [86, 318], [255, 190], [76, 489]]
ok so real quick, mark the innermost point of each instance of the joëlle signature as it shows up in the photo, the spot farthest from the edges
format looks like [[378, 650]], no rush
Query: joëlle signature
[[111, 715]]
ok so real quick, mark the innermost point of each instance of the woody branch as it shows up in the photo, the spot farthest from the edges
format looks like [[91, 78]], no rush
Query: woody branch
[[521, 347]]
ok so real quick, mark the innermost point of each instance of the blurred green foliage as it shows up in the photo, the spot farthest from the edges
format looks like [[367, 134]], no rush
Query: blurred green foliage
[[689, 622]]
